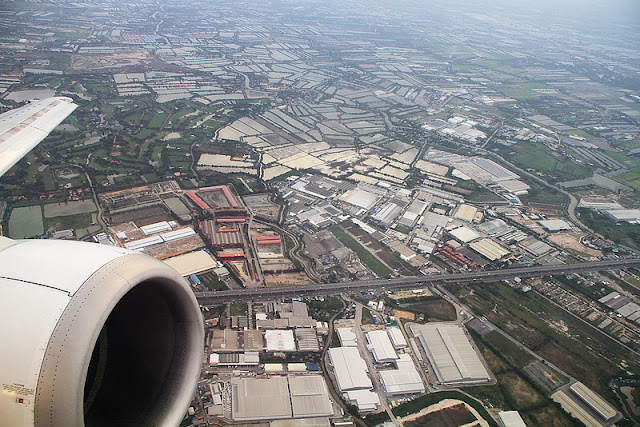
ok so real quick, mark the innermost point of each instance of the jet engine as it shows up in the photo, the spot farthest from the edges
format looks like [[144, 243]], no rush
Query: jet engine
[[94, 335]]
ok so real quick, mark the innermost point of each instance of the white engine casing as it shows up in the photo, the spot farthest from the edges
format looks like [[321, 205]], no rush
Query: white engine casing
[[94, 335]]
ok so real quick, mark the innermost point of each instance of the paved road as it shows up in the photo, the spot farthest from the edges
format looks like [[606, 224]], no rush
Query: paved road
[[217, 297], [373, 373]]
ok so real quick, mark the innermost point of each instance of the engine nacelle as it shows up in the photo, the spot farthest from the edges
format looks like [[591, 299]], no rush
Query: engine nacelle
[[93, 335]]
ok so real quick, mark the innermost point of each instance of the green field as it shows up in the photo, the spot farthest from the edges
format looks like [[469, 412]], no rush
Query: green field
[[621, 233], [365, 256], [539, 158], [26, 222], [70, 221], [212, 282], [578, 350], [239, 309]]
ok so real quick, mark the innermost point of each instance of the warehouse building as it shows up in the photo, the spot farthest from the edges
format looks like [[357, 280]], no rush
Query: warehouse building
[[350, 369], [360, 197], [625, 215], [347, 337], [510, 419], [464, 234], [260, 398], [594, 401], [309, 396], [364, 400], [405, 379], [249, 358], [307, 339], [450, 353], [280, 340], [553, 225], [397, 338], [466, 213], [489, 249], [192, 263], [279, 397], [381, 347]]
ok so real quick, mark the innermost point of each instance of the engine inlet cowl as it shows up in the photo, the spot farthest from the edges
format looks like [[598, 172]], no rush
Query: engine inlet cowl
[[110, 337]]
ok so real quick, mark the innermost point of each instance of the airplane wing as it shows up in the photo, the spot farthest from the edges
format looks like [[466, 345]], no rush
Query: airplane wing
[[23, 128], [90, 334]]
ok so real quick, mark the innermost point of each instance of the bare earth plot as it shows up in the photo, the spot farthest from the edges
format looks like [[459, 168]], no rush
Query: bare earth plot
[[53, 210]]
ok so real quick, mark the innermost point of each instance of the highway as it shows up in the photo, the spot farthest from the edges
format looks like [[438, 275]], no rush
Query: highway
[[319, 289]]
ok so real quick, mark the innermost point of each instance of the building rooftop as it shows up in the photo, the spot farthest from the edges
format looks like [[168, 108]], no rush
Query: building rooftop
[[451, 355], [350, 369], [309, 396], [403, 380], [347, 337], [191, 263], [594, 401], [280, 340], [260, 398], [380, 346], [555, 225], [397, 338], [510, 419], [629, 215], [489, 249], [466, 212]]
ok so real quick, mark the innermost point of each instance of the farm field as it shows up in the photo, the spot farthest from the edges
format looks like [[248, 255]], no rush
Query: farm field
[[53, 210], [26, 222], [538, 158]]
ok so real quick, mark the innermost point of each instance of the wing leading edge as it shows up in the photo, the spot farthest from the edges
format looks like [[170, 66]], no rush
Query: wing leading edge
[[23, 128]]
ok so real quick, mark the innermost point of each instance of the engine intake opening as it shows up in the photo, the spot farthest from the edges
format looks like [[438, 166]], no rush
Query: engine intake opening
[[136, 358]]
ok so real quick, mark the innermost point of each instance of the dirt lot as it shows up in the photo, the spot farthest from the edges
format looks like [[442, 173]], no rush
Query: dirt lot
[[142, 217], [404, 314], [521, 392], [571, 241], [548, 416], [569, 364], [452, 416], [544, 376], [286, 279], [53, 210], [435, 309], [377, 248]]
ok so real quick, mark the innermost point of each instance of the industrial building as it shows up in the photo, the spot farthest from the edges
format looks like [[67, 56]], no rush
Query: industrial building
[[594, 401], [224, 340], [553, 225], [464, 234], [397, 338], [510, 419], [249, 358], [279, 397], [381, 347], [573, 407], [622, 215], [307, 339], [192, 263], [309, 396], [405, 379], [450, 353], [489, 249], [347, 337], [466, 213], [361, 198], [350, 369], [280, 340], [260, 398], [364, 400]]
